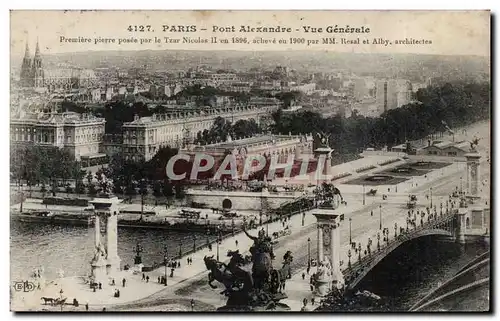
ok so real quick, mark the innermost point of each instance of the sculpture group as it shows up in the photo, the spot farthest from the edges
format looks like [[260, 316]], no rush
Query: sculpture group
[[260, 289]]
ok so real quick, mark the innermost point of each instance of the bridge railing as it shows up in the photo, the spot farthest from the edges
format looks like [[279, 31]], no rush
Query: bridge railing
[[390, 245]]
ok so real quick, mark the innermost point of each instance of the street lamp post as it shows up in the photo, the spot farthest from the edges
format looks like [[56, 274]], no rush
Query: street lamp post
[[378, 241], [380, 214], [349, 257], [363, 194], [431, 196], [395, 230], [61, 298], [260, 218], [218, 241], [165, 261], [350, 232], [267, 225], [308, 252], [359, 252]]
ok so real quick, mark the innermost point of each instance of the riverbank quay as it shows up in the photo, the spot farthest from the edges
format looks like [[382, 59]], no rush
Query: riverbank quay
[[138, 289]]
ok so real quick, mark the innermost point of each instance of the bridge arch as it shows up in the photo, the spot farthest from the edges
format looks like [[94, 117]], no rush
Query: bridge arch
[[357, 272]]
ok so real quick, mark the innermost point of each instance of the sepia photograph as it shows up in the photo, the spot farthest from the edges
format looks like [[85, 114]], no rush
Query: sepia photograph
[[250, 161]]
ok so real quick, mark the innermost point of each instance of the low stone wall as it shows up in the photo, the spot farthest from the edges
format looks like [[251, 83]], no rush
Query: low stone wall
[[239, 200]]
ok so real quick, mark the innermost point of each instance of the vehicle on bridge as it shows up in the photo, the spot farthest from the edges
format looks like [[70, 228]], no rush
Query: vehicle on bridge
[[412, 201], [190, 214], [226, 215]]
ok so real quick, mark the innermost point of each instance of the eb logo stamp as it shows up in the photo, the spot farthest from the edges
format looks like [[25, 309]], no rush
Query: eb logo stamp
[[24, 286]]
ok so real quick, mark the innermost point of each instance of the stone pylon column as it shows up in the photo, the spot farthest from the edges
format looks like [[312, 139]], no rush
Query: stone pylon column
[[97, 230], [473, 173], [328, 165], [460, 226], [335, 248], [107, 207], [112, 242], [321, 252]]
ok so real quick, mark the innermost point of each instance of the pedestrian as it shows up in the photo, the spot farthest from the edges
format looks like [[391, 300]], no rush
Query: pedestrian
[[159, 280], [308, 268], [124, 282], [172, 272], [372, 213], [304, 302], [147, 278], [313, 299], [143, 276], [104, 309], [112, 281], [86, 306], [187, 261], [236, 242], [100, 286], [303, 276], [178, 264]]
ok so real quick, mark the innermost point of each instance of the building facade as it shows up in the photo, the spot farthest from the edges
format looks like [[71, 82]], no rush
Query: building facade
[[80, 134], [280, 147], [143, 137]]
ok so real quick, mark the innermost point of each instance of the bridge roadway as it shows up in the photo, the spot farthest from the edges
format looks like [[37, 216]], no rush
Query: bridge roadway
[[363, 226]]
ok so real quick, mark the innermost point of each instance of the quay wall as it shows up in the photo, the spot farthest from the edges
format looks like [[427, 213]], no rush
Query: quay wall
[[239, 200]]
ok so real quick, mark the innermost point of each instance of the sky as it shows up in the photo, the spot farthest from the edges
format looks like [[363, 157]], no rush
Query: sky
[[451, 32]]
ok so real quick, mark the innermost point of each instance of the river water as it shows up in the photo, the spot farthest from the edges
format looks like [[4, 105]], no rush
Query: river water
[[70, 248]]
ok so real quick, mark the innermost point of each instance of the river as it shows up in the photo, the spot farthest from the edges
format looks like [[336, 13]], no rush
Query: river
[[70, 248]]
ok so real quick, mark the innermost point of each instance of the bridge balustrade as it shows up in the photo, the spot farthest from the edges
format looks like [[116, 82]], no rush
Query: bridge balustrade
[[367, 261]]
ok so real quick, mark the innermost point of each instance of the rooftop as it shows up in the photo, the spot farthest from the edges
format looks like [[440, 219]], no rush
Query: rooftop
[[56, 118]]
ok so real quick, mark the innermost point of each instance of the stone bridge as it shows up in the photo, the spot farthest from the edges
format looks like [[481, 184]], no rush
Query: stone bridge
[[361, 260], [439, 224]]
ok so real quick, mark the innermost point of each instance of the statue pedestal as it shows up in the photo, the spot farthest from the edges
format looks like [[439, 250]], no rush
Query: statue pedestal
[[99, 271]]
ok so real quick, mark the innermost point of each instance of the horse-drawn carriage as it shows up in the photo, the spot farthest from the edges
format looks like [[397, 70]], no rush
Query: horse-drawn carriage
[[54, 301], [281, 233], [190, 214]]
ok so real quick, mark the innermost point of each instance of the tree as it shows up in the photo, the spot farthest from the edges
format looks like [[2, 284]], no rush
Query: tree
[[179, 191], [168, 190], [157, 189]]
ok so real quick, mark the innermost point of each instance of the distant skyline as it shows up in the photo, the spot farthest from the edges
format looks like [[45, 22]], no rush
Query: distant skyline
[[451, 32]]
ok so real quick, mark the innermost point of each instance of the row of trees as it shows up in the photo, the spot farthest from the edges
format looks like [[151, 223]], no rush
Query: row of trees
[[221, 129], [52, 166], [456, 104]]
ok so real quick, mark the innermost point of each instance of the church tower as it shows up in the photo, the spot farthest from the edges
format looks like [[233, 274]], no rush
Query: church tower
[[26, 75], [37, 69]]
